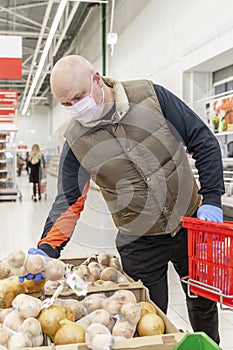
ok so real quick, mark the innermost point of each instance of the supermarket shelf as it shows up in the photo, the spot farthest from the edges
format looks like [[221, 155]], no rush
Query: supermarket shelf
[[227, 206], [52, 172], [53, 165], [8, 189], [8, 195], [223, 133]]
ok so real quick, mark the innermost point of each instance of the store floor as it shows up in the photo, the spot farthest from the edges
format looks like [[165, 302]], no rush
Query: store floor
[[21, 226]]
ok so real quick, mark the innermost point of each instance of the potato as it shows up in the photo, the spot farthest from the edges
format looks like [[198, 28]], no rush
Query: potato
[[76, 306], [93, 302], [3, 336], [32, 327], [95, 270], [115, 262], [102, 341], [109, 274], [37, 340], [84, 322], [131, 312], [4, 312], [27, 305], [54, 269], [35, 263], [123, 329], [4, 269], [19, 340], [113, 306], [104, 259], [125, 296], [13, 321], [93, 330], [19, 271], [16, 258], [83, 271], [100, 316]]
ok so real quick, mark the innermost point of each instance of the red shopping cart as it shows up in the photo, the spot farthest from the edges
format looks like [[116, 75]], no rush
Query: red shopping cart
[[210, 254]]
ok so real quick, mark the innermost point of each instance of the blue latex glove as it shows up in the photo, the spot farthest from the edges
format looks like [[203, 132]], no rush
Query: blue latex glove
[[210, 213], [30, 276]]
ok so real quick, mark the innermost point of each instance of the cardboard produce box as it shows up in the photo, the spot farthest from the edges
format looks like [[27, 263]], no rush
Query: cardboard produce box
[[95, 288], [166, 341], [156, 342]]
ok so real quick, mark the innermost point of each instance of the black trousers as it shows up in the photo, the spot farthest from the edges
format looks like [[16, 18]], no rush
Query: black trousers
[[34, 189], [147, 257]]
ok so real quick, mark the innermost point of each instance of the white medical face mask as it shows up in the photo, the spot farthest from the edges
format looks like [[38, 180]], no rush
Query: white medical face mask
[[86, 110]]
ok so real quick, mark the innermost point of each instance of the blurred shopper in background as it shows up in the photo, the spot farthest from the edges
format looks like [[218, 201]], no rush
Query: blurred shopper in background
[[132, 138], [34, 165], [27, 168], [20, 165]]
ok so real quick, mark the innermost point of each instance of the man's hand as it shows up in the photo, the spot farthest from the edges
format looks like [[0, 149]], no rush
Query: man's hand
[[39, 276], [210, 213]]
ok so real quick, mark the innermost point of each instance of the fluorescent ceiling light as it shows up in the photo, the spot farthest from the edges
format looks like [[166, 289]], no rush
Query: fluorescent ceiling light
[[52, 32], [93, 1]]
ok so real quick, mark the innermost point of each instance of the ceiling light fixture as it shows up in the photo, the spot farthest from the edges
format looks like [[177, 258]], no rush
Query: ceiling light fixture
[[94, 1], [49, 40]]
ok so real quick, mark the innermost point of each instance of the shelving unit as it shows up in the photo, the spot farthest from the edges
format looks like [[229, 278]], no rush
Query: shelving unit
[[53, 165], [8, 188], [227, 198]]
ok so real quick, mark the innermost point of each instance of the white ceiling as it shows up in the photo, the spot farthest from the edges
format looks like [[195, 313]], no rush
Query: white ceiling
[[32, 19]]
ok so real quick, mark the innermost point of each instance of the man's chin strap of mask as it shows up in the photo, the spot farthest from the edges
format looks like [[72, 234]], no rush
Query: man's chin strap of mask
[[86, 111]]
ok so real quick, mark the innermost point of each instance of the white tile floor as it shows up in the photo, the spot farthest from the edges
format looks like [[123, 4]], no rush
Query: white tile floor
[[21, 227]]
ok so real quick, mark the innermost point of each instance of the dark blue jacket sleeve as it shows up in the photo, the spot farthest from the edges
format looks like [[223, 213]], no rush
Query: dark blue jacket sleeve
[[200, 142]]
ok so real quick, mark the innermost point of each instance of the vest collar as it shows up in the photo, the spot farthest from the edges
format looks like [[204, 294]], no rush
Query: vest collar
[[120, 97]]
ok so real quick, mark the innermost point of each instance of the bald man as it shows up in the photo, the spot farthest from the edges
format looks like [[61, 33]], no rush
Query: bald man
[[129, 138], [74, 87]]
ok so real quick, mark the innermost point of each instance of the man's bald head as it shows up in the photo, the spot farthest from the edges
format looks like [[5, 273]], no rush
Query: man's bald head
[[69, 72]]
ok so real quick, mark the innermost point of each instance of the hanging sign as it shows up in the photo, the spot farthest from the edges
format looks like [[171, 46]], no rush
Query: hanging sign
[[10, 57], [8, 97], [7, 112]]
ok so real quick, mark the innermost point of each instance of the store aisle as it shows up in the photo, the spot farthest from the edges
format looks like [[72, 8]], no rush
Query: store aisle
[[21, 227], [22, 220]]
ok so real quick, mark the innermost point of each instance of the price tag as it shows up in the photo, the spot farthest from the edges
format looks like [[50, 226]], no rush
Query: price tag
[[77, 284]]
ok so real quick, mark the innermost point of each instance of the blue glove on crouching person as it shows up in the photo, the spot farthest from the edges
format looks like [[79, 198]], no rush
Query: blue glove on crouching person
[[35, 277], [209, 212]]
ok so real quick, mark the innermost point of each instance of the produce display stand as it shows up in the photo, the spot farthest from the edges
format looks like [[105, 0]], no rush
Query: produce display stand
[[165, 341], [210, 254]]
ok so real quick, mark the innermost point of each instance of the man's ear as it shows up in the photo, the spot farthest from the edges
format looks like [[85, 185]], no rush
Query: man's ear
[[98, 79]]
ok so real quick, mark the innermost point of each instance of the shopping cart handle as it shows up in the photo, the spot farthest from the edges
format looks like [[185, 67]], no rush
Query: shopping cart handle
[[187, 221]]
